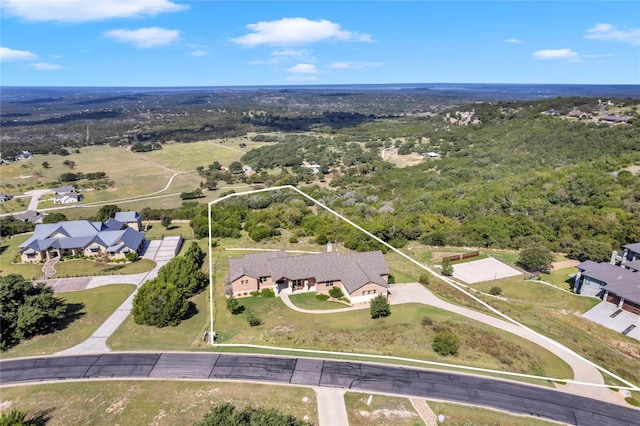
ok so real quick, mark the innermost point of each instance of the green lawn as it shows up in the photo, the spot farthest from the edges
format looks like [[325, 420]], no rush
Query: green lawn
[[309, 301], [86, 267], [384, 409], [185, 336], [153, 402], [88, 310], [457, 414], [560, 277], [155, 231], [8, 252]]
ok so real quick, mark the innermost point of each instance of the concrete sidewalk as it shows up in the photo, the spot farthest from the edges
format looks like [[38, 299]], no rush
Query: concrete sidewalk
[[331, 408]]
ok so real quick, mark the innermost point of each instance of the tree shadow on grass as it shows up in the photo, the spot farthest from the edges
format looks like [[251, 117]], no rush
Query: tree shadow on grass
[[73, 313], [41, 418], [191, 311]]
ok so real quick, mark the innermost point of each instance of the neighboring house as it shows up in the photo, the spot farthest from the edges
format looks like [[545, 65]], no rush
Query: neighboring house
[[360, 276], [5, 197], [64, 189], [131, 219], [619, 285], [631, 252], [81, 237], [30, 216], [67, 198]]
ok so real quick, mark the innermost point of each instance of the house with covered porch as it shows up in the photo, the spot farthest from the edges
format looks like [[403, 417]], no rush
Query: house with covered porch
[[360, 276], [81, 237]]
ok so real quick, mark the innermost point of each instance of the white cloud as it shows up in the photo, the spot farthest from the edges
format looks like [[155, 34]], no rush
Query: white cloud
[[12, 55], [290, 52], [301, 78], [296, 31], [304, 69], [354, 65], [567, 54], [197, 52], [145, 37], [514, 40], [44, 66], [86, 10], [609, 33]]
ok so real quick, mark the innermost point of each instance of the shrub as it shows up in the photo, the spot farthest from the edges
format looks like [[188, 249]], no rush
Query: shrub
[[268, 292], [13, 418], [132, 256], [293, 239], [322, 297], [392, 279], [495, 291], [427, 321], [336, 293], [253, 319], [447, 268], [227, 414], [380, 307], [255, 293], [233, 305], [446, 343], [424, 278]]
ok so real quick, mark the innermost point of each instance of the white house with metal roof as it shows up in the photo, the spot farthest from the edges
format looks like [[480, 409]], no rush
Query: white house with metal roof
[[360, 276], [81, 237]]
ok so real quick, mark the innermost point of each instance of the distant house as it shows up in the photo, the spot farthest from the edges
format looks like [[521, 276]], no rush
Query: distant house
[[64, 189], [5, 197], [315, 168], [360, 276], [24, 155], [67, 198], [631, 252], [29, 216], [615, 119], [83, 237], [430, 154]]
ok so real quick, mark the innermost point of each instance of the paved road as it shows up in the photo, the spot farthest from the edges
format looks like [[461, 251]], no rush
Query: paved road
[[509, 396]]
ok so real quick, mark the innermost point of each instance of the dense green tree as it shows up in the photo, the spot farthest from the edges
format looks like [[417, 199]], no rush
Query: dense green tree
[[12, 226], [26, 309], [596, 251], [106, 212], [54, 218], [159, 303], [233, 305], [380, 307], [165, 221], [447, 268], [536, 259], [228, 415], [195, 253], [45, 165], [185, 274]]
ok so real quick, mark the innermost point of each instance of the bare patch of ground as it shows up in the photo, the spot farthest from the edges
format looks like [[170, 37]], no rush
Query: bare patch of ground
[[391, 155], [564, 264]]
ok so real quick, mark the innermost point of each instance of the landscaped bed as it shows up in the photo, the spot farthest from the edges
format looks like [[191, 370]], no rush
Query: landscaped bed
[[311, 302]]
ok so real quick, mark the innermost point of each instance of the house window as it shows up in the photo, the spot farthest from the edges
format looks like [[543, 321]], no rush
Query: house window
[[329, 284], [31, 255], [263, 279], [296, 283], [94, 249]]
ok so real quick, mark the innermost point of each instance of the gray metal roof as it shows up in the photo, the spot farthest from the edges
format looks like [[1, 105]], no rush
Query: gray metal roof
[[354, 270], [127, 216], [67, 188], [635, 265], [635, 247]]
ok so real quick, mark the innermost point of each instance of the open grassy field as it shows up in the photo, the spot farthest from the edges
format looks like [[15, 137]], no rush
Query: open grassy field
[[87, 311], [152, 402], [384, 409], [9, 251]]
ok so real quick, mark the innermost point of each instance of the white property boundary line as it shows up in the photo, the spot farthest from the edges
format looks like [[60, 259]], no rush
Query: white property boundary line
[[630, 386]]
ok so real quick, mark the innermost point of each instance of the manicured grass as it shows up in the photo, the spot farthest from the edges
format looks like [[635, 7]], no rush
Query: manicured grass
[[309, 301], [154, 402], [185, 336], [86, 267], [9, 250], [155, 231], [457, 414], [88, 310], [560, 277], [387, 410]]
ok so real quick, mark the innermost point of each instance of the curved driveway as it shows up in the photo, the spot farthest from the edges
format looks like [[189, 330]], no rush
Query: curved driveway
[[514, 397]]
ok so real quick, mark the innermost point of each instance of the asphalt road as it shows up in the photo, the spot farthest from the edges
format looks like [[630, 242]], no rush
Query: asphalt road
[[518, 398]]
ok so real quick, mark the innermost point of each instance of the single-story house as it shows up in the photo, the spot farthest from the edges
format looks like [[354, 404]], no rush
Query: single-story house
[[64, 189], [67, 198], [30, 216], [84, 237], [5, 197], [614, 284], [360, 276]]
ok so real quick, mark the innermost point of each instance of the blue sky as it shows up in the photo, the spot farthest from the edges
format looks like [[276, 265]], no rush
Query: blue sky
[[235, 43]]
